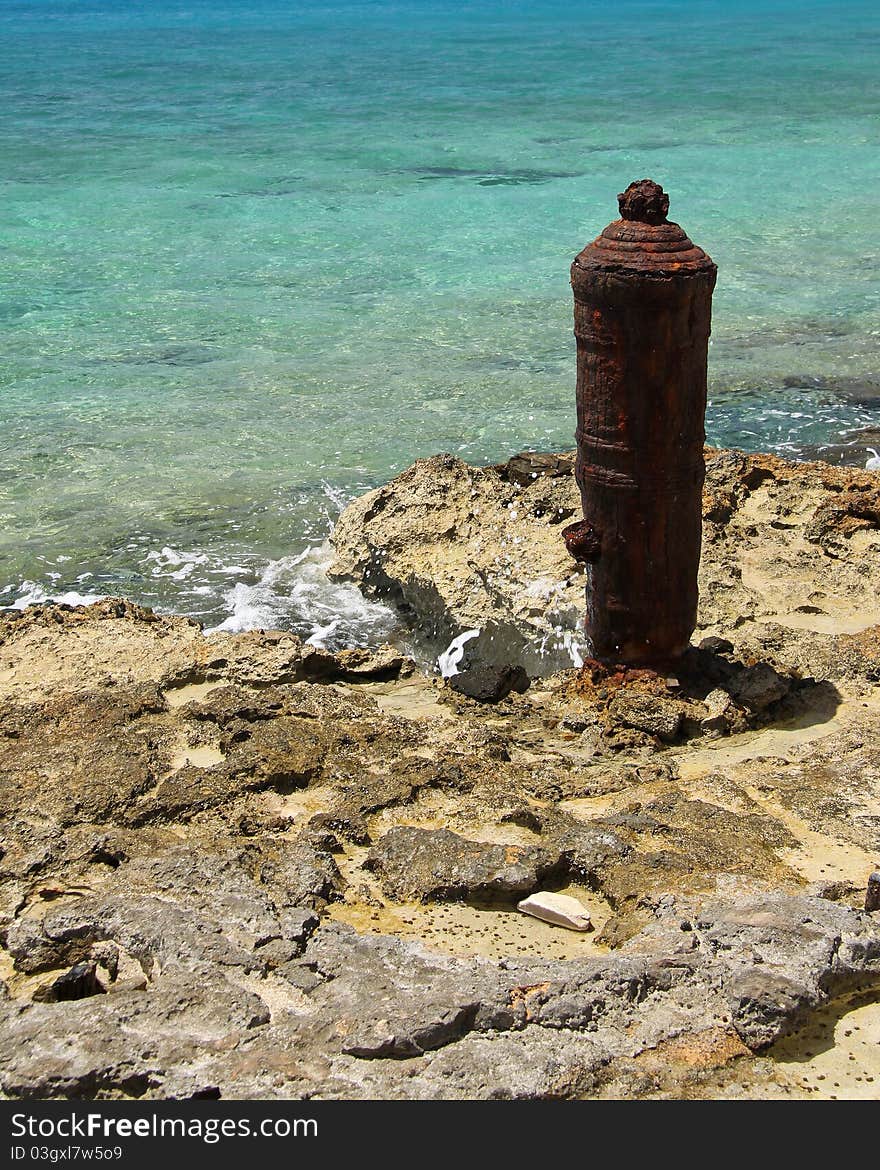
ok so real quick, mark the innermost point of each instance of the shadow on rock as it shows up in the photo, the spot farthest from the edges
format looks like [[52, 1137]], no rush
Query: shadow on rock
[[711, 695]]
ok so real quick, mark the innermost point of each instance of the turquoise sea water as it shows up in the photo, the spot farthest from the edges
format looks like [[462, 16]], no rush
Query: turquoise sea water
[[257, 256]]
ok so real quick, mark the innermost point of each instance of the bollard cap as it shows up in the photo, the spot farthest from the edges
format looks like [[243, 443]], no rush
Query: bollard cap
[[642, 243], [644, 202]]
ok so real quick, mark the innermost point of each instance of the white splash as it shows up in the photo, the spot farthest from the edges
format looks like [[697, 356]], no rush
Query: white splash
[[182, 563], [448, 661], [336, 495], [573, 646], [296, 593], [33, 594]]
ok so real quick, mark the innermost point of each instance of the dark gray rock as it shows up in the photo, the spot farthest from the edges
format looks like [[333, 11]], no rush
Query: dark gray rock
[[297, 874], [781, 955], [77, 983], [219, 886], [765, 1005], [436, 863], [152, 930], [488, 683], [872, 894], [584, 849], [715, 645], [297, 926], [758, 687]]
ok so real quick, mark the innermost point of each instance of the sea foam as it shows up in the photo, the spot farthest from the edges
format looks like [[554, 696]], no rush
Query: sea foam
[[30, 593], [296, 593]]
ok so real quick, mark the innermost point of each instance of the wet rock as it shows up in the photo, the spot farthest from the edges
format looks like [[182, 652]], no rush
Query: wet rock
[[436, 863], [458, 547], [489, 684], [528, 466], [494, 650]]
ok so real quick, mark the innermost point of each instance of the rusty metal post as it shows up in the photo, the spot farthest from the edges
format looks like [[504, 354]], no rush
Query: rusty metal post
[[642, 310]]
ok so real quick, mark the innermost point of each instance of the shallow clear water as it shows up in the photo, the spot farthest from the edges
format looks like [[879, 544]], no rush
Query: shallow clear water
[[258, 255]]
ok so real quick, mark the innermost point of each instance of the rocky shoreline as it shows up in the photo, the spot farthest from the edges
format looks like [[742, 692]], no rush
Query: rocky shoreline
[[240, 866]]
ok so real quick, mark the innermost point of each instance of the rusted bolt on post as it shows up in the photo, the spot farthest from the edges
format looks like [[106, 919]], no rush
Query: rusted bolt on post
[[642, 311]]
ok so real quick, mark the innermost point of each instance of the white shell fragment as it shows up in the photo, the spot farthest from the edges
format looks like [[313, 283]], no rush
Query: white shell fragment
[[558, 909]]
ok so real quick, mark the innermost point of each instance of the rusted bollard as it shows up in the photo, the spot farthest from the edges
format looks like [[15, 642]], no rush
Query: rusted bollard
[[642, 310]]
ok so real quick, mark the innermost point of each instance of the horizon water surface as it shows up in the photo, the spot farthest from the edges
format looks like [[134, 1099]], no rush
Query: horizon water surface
[[257, 256]]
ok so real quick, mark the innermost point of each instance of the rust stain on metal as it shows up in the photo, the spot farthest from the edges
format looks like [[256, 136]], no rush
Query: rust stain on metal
[[642, 313]]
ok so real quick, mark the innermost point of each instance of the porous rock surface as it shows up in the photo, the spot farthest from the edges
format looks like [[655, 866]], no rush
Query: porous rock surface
[[786, 546], [223, 860]]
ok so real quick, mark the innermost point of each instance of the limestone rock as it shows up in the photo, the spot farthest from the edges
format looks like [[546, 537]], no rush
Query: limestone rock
[[651, 713], [456, 547], [204, 908], [461, 547], [436, 863], [722, 714]]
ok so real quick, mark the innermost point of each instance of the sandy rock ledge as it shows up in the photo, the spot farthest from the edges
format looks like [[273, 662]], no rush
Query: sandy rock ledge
[[237, 866]]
